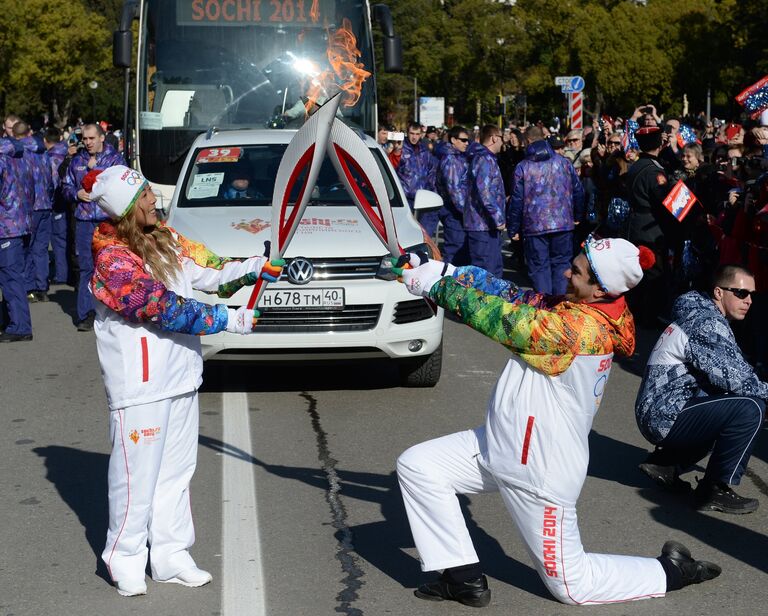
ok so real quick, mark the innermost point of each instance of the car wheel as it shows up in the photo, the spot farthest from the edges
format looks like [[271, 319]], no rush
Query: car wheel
[[422, 371]]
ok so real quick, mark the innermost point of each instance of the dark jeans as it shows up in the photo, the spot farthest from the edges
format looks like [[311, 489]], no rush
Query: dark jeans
[[728, 425], [548, 256], [83, 249]]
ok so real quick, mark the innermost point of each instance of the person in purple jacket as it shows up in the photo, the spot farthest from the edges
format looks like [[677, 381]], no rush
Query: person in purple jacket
[[417, 171], [36, 261], [453, 186], [484, 214], [16, 196], [96, 155], [547, 197], [56, 153]]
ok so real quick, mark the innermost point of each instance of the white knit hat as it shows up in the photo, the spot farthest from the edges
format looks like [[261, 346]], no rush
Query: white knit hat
[[115, 189], [617, 264]]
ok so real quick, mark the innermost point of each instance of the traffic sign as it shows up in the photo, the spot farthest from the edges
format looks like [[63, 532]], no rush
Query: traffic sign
[[570, 83]]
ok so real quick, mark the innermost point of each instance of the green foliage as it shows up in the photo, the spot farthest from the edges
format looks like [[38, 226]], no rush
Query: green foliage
[[51, 51], [629, 54]]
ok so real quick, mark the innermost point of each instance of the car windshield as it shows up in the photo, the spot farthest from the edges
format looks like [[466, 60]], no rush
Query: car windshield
[[245, 175]]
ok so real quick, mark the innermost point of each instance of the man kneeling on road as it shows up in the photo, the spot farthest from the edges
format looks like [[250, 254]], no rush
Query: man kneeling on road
[[698, 394], [533, 449]]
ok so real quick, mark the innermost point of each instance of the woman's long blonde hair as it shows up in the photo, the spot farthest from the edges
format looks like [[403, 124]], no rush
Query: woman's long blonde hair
[[158, 249]]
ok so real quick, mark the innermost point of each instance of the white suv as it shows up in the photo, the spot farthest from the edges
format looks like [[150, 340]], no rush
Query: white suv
[[337, 298]]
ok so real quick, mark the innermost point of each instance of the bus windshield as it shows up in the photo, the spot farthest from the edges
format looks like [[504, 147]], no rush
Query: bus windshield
[[246, 64]]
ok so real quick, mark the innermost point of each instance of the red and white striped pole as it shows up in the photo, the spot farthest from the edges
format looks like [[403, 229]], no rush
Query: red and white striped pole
[[576, 110]]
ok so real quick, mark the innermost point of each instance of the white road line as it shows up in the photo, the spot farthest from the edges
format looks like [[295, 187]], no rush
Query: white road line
[[242, 585]]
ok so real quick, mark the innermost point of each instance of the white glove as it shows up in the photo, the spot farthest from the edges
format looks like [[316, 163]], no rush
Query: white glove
[[242, 321], [421, 279]]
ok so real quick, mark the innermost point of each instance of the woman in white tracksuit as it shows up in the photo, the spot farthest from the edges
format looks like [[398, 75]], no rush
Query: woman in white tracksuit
[[533, 448], [147, 336]]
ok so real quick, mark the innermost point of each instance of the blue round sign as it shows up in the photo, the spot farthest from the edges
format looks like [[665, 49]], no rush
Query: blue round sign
[[577, 84]]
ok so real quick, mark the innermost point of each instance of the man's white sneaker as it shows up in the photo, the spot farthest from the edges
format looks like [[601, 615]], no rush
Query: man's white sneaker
[[131, 588], [193, 578]]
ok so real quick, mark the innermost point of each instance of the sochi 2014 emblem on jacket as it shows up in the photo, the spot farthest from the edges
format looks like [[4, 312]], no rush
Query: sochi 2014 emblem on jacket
[[134, 436]]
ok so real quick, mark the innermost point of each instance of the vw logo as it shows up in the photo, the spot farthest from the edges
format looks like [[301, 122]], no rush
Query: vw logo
[[300, 271]]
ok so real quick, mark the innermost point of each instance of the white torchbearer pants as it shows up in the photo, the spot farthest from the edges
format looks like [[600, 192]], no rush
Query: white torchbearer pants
[[431, 474], [154, 454]]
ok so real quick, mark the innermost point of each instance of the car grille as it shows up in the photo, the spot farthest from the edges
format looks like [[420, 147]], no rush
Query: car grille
[[411, 311], [353, 318], [355, 268]]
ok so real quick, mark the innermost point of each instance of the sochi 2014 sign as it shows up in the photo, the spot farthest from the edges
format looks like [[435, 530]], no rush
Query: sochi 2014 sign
[[570, 83]]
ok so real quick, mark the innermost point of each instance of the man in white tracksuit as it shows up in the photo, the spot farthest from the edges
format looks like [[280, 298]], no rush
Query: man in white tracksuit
[[147, 336], [533, 448]]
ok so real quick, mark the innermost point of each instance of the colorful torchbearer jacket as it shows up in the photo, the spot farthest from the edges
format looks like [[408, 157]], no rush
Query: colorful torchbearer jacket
[[541, 410], [147, 333]]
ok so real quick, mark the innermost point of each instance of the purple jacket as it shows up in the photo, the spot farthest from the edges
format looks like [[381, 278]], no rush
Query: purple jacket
[[55, 156], [485, 209], [78, 168], [416, 169], [452, 178], [16, 190], [34, 151], [547, 195]]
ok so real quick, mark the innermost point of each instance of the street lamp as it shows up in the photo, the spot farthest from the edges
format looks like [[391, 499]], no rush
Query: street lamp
[[93, 85]]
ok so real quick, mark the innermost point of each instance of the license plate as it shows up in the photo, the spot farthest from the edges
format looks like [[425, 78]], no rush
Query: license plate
[[298, 299]]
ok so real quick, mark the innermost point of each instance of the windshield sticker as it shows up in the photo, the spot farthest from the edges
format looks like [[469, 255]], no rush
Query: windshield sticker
[[276, 13], [219, 155], [206, 185]]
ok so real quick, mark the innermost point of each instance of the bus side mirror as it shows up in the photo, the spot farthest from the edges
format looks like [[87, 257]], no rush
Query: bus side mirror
[[122, 45], [393, 47]]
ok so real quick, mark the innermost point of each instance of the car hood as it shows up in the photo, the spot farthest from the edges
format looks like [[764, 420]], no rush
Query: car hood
[[340, 231]]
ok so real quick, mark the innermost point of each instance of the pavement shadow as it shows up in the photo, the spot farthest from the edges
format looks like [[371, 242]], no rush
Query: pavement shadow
[[605, 452], [80, 477], [223, 376], [715, 529], [66, 298], [383, 543]]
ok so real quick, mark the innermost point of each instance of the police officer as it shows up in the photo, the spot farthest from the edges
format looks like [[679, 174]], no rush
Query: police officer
[[96, 155], [647, 186]]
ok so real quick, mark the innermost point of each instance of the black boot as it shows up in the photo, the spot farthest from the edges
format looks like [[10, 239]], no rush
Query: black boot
[[474, 593], [681, 569]]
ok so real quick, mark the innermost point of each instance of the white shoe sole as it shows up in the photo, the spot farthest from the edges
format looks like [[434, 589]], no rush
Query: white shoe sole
[[187, 584], [128, 593]]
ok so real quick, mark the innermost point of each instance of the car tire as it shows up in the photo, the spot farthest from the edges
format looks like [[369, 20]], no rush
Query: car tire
[[422, 371]]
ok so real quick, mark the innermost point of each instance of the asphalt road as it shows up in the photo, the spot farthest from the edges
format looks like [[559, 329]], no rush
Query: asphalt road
[[296, 504]]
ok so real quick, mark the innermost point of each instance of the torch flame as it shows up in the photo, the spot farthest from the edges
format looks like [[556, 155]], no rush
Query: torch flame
[[342, 56]]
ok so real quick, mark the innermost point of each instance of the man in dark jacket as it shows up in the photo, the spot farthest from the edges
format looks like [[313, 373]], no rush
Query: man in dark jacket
[[416, 171], [96, 155], [647, 186], [547, 197], [453, 186], [484, 214], [698, 394]]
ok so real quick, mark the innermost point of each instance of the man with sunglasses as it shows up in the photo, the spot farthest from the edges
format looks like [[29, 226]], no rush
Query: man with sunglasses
[[699, 394]]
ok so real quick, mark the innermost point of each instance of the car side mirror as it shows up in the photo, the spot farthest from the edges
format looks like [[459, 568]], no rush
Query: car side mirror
[[427, 200]]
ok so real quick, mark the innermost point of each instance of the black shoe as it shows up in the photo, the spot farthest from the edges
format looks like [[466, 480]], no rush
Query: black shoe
[[31, 297], [691, 571], [15, 337], [474, 593], [719, 496], [665, 476], [41, 296], [86, 324]]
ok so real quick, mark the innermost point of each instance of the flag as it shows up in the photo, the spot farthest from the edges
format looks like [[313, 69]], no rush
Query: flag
[[680, 200], [755, 98]]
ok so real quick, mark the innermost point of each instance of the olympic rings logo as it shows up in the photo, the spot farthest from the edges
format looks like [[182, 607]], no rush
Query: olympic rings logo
[[134, 178]]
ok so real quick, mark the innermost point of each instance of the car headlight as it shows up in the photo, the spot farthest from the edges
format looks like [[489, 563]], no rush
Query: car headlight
[[385, 267]]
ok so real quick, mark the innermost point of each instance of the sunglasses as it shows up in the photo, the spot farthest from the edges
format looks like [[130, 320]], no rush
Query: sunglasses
[[740, 293], [462, 139]]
